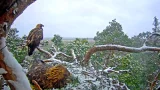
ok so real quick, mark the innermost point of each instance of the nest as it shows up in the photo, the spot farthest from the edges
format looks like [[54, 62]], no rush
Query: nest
[[49, 77]]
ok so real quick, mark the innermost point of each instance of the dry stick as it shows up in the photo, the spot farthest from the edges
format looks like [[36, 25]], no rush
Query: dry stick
[[52, 57], [74, 55], [44, 51], [55, 53], [118, 48], [36, 84]]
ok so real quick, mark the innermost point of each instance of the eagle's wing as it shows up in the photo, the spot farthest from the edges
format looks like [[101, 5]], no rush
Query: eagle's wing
[[37, 35], [31, 33], [40, 34], [30, 37]]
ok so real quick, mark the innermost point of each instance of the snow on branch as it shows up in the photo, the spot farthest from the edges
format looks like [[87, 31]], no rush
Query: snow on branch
[[52, 58], [55, 53], [118, 48], [62, 54], [110, 69], [74, 56], [54, 48]]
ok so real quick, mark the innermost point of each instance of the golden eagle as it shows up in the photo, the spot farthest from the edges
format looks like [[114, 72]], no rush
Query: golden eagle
[[34, 38]]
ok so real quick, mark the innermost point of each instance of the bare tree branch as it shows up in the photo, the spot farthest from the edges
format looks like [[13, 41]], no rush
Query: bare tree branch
[[118, 48], [44, 51], [55, 53], [62, 54]]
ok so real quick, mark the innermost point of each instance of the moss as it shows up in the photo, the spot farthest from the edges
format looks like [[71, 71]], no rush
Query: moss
[[49, 77]]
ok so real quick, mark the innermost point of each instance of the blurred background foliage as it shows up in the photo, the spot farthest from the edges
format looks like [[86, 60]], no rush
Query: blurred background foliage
[[16, 44]]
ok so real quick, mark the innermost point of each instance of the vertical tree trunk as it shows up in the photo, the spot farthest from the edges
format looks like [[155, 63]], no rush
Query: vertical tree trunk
[[9, 11]]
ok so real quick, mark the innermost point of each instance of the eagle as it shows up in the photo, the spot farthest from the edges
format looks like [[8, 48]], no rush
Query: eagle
[[34, 38]]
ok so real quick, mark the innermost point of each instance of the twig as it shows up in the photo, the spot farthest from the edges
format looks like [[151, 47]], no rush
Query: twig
[[74, 56], [36, 84], [54, 48]]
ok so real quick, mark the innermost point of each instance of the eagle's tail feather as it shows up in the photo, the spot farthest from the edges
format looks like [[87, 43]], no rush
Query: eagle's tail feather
[[30, 50]]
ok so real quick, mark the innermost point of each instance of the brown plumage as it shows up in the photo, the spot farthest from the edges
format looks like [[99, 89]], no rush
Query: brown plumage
[[34, 38]]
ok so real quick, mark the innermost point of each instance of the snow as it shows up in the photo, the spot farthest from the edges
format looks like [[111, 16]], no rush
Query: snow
[[2, 71], [109, 69], [21, 82], [6, 88]]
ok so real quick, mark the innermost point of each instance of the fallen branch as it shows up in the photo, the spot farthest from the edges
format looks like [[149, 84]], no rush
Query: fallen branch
[[118, 48]]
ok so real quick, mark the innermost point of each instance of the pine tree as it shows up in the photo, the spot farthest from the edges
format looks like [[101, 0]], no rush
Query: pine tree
[[156, 25]]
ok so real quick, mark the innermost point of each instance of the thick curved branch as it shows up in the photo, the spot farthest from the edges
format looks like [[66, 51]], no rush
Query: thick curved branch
[[118, 48]]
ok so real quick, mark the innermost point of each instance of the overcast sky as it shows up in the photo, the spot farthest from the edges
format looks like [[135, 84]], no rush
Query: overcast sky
[[83, 18]]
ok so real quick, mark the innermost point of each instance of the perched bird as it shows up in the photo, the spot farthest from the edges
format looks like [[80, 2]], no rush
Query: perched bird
[[34, 38]]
